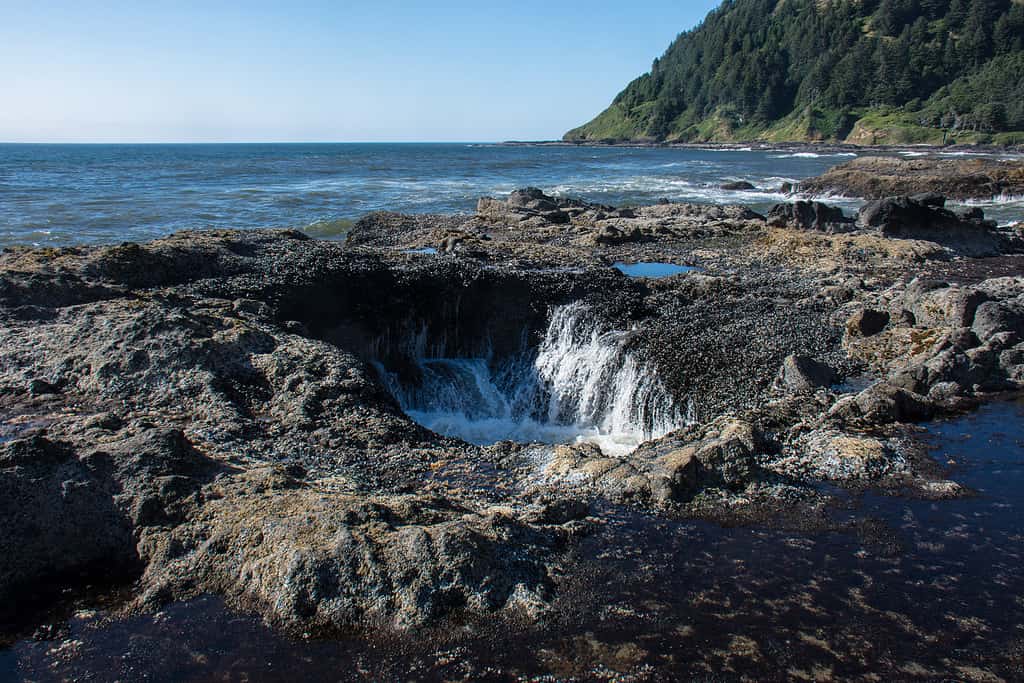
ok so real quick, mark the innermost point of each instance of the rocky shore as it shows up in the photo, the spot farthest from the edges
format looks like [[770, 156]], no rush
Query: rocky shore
[[206, 413], [876, 177]]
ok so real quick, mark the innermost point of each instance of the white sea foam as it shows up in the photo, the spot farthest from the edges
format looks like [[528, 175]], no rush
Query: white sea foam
[[812, 155], [998, 200], [582, 384], [675, 188]]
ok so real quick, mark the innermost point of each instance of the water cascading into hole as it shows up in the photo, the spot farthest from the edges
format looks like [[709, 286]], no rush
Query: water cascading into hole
[[580, 384]]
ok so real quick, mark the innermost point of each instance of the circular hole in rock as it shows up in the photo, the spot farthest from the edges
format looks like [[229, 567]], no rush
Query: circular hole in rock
[[580, 384]]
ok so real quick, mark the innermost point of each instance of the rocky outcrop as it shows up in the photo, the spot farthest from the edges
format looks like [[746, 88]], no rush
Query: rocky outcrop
[[532, 205], [738, 185], [875, 177], [311, 558], [802, 215], [800, 374], [665, 472], [951, 343], [867, 322], [556, 219], [908, 218]]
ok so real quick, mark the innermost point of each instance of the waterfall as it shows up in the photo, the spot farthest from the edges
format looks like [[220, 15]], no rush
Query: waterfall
[[581, 384]]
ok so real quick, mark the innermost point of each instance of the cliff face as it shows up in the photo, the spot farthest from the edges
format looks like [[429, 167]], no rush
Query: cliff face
[[863, 71]]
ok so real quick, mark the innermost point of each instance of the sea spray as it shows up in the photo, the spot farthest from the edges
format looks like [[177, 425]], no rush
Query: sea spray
[[583, 383], [329, 228]]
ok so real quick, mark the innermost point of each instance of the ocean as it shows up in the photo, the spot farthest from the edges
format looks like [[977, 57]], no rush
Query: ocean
[[53, 195]]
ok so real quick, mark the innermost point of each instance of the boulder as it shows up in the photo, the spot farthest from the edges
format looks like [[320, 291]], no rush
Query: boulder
[[993, 317], [729, 460], [676, 475], [531, 198], [867, 322], [803, 215], [60, 519], [725, 458], [884, 404], [528, 204], [741, 185], [836, 456], [802, 375], [611, 235], [938, 305], [908, 218]]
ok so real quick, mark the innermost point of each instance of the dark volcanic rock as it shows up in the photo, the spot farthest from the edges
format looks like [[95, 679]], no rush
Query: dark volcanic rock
[[883, 403], [933, 199], [906, 218], [801, 374], [741, 185], [61, 521], [934, 303], [867, 322], [809, 216], [528, 203], [993, 317]]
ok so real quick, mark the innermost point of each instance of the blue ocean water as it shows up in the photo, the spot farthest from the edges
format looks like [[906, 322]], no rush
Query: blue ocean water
[[64, 194]]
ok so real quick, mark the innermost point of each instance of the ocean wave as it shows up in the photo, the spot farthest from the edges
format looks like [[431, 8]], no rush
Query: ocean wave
[[997, 200], [647, 188], [811, 155], [327, 229]]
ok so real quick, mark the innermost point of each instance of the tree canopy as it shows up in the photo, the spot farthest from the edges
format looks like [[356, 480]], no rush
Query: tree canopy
[[814, 68]]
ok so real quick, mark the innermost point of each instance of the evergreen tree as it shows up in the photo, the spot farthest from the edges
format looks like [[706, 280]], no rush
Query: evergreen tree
[[755, 62]]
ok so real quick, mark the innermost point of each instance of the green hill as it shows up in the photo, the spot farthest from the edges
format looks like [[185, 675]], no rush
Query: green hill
[[862, 71]]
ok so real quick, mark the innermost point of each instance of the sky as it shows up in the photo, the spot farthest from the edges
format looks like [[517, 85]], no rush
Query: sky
[[154, 71]]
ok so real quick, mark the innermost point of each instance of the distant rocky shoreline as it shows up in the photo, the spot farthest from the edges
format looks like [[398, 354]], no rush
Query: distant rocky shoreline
[[878, 177], [813, 147], [205, 413]]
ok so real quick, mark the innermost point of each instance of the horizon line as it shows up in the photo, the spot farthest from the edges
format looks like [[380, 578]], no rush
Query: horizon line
[[264, 142]]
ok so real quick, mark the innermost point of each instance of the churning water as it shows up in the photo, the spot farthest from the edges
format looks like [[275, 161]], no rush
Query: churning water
[[582, 383], [63, 194]]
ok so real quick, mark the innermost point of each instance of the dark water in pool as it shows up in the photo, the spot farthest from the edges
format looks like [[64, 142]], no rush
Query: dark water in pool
[[911, 590], [652, 269], [62, 194]]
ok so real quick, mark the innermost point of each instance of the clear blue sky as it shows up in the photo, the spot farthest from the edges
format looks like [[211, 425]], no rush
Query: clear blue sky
[[148, 71]]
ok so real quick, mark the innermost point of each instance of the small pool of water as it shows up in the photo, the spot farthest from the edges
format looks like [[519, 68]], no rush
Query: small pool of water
[[423, 250], [652, 269], [855, 384]]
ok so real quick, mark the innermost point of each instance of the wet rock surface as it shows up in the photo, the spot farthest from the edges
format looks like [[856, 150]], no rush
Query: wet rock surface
[[206, 414]]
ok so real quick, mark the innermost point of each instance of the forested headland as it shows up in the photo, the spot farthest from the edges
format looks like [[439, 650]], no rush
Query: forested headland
[[859, 71]]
